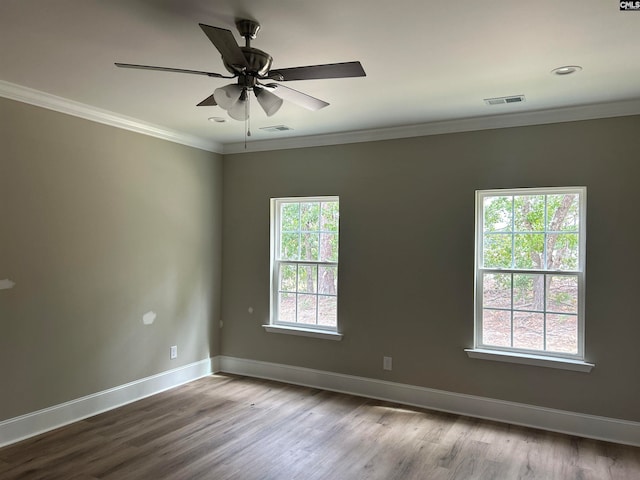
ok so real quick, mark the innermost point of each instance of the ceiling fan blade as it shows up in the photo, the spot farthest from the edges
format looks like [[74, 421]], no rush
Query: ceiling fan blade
[[169, 69], [207, 102], [294, 96], [226, 44], [311, 72]]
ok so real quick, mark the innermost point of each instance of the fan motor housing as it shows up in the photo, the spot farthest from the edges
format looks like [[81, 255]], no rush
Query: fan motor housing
[[259, 62]]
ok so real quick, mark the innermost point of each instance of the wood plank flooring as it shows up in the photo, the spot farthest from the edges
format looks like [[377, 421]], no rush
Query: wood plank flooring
[[229, 427]]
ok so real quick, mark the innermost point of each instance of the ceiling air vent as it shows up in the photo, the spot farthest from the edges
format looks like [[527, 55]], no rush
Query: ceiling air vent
[[502, 100], [276, 128]]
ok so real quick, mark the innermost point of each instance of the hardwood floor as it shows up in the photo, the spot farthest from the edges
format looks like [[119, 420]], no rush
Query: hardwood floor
[[229, 427]]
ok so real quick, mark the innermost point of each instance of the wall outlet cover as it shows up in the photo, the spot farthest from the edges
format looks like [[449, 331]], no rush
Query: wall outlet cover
[[387, 363]]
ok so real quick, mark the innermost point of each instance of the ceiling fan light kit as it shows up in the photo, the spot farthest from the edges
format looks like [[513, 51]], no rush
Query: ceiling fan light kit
[[226, 96], [250, 65], [269, 102], [240, 109]]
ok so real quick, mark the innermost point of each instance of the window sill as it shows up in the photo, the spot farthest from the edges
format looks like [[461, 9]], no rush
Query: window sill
[[304, 332], [524, 359]]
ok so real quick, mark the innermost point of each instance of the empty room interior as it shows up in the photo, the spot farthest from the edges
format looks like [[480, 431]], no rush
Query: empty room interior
[[319, 240]]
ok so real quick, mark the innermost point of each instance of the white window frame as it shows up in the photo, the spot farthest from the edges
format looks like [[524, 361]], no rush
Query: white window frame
[[519, 355], [275, 324]]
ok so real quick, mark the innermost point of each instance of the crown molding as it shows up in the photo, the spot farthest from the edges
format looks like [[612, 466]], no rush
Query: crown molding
[[38, 98], [521, 119]]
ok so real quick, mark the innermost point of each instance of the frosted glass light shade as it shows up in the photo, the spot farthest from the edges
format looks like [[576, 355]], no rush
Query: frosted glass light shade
[[238, 110], [227, 96], [269, 102]]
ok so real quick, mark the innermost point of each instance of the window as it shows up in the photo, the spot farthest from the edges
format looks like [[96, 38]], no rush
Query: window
[[530, 257], [304, 281]]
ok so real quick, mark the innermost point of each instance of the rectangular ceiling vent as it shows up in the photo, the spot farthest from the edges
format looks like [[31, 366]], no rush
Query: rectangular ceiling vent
[[276, 128], [503, 100]]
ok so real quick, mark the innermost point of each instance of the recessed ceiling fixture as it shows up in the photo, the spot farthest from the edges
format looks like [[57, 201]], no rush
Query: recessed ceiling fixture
[[566, 70], [217, 119]]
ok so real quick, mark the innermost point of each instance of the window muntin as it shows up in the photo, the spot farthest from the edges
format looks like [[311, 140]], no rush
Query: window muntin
[[530, 271], [304, 284]]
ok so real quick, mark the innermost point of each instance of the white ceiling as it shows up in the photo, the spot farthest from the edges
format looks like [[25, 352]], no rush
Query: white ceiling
[[426, 61]]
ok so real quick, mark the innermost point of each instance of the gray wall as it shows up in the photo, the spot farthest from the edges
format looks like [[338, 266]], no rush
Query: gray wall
[[99, 226], [406, 257]]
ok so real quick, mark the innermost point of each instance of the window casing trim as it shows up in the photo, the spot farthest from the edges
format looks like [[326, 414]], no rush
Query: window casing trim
[[579, 273], [528, 359], [278, 326], [303, 332]]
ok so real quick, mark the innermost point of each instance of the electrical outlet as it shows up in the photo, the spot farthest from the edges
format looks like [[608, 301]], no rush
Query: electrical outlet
[[387, 363], [173, 352]]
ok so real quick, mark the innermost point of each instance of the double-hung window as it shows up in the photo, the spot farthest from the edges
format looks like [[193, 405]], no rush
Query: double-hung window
[[530, 271], [304, 263]]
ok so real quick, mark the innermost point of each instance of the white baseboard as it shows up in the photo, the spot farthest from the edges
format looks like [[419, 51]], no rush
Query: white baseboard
[[583, 425], [215, 364], [25, 426], [590, 426]]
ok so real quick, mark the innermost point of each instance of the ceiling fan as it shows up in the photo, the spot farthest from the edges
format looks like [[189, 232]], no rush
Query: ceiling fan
[[250, 66]]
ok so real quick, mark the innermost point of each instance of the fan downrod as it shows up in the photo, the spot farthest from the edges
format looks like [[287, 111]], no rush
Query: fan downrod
[[258, 63]]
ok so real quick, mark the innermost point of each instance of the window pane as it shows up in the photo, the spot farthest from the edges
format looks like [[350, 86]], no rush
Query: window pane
[[289, 246], [562, 294], [528, 292], [305, 259], [288, 279], [497, 251], [290, 217], [529, 250], [563, 213], [497, 214], [529, 213], [307, 278], [496, 290], [329, 217], [528, 330], [562, 251], [562, 333], [328, 247], [287, 307], [496, 328], [328, 280], [328, 311], [310, 216], [309, 244], [307, 307], [529, 274]]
